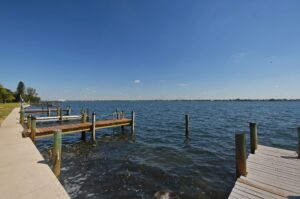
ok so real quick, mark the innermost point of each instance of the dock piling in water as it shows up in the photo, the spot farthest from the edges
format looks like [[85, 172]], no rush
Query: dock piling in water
[[94, 127], [58, 111], [61, 114], [33, 128], [57, 153], [298, 142], [240, 154], [49, 112], [132, 121], [69, 111], [253, 137], [186, 125], [83, 120]]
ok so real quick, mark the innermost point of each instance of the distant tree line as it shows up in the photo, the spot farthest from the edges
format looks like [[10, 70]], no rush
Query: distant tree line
[[22, 93]]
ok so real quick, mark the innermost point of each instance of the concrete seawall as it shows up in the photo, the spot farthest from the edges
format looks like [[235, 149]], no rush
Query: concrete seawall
[[23, 173]]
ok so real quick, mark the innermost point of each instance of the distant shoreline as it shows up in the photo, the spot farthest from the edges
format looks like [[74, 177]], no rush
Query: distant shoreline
[[204, 100]]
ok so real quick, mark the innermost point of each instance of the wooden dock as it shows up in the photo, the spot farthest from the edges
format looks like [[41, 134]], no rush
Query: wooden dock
[[79, 127], [271, 173], [40, 111], [87, 126]]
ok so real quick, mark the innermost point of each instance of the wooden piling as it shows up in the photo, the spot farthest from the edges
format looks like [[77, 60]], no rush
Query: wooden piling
[[57, 153], [87, 115], [22, 113], [61, 114], [94, 127], [33, 128], [29, 122], [69, 111], [240, 154], [49, 112], [58, 111], [83, 120], [253, 137], [117, 114], [132, 121], [186, 125], [299, 142], [122, 117]]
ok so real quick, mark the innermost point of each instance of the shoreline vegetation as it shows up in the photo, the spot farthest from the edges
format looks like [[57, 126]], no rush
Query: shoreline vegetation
[[205, 100], [22, 93]]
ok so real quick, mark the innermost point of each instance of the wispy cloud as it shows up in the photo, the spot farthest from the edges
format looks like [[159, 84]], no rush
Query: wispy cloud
[[90, 90], [136, 81], [183, 84]]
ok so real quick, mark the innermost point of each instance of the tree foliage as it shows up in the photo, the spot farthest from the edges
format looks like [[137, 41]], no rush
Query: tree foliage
[[29, 94], [6, 95], [20, 91], [32, 95]]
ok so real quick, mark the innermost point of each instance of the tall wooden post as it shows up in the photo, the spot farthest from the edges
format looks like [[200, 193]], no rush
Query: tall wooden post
[[117, 114], [186, 125], [94, 127], [83, 120], [253, 137], [240, 154], [58, 111], [88, 117], [33, 128], [132, 121], [122, 117], [22, 113], [29, 122], [49, 112], [299, 142], [57, 153], [61, 114], [69, 110]]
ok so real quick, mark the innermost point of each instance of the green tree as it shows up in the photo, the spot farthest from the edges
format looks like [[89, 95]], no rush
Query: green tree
[[6, 95], [20, 90], [32, 95]]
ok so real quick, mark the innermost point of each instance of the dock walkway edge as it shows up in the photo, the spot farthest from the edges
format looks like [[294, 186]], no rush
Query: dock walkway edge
[[23, 171]]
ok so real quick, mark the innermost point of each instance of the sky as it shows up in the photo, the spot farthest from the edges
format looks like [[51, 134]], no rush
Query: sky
[[151, 49]]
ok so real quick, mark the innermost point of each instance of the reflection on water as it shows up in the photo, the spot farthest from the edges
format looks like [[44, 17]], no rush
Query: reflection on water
[[158, 156]]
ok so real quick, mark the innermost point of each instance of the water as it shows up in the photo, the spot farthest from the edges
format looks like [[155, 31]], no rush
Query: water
[[159, 157]]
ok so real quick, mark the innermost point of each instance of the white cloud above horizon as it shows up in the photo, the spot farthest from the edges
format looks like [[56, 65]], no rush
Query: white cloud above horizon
[[137, 81]]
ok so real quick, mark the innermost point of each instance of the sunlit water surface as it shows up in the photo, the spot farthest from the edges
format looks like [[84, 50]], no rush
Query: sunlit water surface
[[158, 156]]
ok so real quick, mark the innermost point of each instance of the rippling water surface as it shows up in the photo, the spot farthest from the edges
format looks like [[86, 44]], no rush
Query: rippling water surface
[[159, 157]]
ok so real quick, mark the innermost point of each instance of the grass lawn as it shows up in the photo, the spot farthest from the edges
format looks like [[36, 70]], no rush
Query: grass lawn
[[5, 109]]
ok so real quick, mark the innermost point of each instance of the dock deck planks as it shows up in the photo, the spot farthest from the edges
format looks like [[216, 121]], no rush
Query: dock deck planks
[[272, 173]]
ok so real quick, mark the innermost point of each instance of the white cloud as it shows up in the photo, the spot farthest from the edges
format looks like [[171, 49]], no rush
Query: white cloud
[[137, 81], [183, 84]]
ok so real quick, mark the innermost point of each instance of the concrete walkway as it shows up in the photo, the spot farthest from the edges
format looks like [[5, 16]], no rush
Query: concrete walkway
[[23, 173]]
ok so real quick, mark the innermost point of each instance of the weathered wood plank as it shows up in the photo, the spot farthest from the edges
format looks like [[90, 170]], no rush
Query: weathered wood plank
[[273, 181], [275, 161], [259, 191], [276, 150], [271, 173], [277, 166], [249, 191]]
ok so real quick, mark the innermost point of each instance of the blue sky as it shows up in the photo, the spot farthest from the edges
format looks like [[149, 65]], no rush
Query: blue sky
[[158, 49]]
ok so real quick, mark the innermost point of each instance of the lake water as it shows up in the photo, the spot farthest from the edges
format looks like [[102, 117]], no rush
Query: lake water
[[158, 156]]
